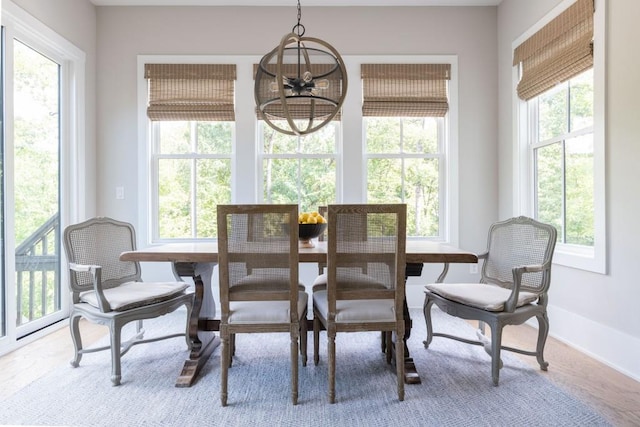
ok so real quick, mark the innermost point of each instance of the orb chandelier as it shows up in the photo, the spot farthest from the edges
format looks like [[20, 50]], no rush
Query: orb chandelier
[[301, 84]]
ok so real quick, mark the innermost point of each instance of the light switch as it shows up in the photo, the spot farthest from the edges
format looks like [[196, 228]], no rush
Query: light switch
[[120, 193]]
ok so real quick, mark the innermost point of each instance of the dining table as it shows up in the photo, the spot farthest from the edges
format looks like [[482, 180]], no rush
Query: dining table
[[197, 260]]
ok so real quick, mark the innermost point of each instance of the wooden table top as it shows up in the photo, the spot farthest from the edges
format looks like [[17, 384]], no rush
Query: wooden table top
[[418, 251]]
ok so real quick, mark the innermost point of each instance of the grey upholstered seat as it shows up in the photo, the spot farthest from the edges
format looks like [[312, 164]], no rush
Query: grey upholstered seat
[[363, 289], [259, 287], [110, 292], [515, 279]]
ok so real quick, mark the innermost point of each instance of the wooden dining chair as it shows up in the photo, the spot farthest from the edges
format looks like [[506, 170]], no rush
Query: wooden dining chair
[[259, 287], [365, 280]]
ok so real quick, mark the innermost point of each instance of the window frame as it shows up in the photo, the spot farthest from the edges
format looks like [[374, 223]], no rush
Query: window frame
[[298, 155], [192, 157], [440, 156], [448, 137], [351, 162], [576, 256]]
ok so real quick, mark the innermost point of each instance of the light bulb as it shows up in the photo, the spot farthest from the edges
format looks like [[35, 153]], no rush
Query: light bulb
[[322, 84]]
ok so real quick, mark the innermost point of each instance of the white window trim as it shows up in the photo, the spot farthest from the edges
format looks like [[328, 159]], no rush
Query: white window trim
[[594, 258], [351, 179]]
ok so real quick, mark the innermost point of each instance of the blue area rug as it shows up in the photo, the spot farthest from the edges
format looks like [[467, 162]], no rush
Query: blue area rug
[[456, 387]]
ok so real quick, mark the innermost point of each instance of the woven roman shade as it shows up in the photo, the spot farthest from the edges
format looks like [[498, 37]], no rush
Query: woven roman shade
[[559, 51], [405, 90], [200, 92], [275, 111]]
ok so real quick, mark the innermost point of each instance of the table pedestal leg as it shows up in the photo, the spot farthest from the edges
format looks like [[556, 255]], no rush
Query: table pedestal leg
[[411, 375], [203, 342]]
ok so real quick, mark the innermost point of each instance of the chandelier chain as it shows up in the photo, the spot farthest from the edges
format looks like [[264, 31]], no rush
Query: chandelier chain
[[299, 28]]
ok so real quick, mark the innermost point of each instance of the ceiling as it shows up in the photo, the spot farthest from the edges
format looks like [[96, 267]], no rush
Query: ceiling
[[293, 2]]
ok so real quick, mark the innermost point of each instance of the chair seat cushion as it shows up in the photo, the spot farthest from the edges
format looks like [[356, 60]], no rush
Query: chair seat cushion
[[356, 311], [258, 282], [135, 294], [248, 312], [484, 296], [355, 281]]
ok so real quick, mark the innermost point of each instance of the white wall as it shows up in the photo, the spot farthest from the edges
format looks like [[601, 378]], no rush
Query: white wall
[[593, 312], [468, 32]]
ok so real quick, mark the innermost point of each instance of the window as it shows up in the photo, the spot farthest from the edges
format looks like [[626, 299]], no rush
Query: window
[[193, 164], [404, 162], [404, 109], [299, 170], [191, 109], [562, 131], [561, 121]]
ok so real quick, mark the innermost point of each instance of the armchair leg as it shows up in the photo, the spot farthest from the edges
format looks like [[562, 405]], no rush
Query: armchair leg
[[74, 326], [428, 302], [139, 329], [115, 331], [543, 332], [496, 345]]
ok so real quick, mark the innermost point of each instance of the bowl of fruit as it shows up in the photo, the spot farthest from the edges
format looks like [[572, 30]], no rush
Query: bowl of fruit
[[310, 226]]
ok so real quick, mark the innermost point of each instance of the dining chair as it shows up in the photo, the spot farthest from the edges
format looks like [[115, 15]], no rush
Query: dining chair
[[259, 286], [364, 285], [110, 292], [514, 282]]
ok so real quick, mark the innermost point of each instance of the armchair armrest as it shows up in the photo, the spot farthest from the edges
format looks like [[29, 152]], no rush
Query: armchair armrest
[[96, 278], [511, 303]]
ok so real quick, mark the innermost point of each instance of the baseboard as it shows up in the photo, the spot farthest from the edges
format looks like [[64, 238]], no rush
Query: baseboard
[[618, 350]]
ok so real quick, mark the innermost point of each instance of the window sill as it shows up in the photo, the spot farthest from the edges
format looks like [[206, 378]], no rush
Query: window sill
[[580, 257]]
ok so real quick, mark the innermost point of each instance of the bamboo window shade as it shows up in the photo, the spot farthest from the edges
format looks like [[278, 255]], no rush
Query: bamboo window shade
[[199, 92], [560, 50], [301, 110], [405, 90]]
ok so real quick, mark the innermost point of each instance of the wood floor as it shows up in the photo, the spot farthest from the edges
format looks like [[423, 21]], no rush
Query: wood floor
[[615, 396]]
